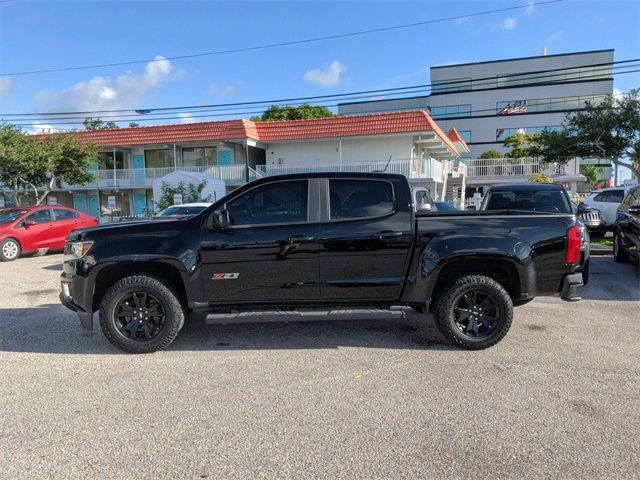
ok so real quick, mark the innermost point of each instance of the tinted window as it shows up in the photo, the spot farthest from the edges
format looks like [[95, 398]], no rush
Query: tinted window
[[64, 214], [359, 198], [601, 197], [8, 216], [423, 198], [41, 216], [616, 196], [532, 200], [283, 202], [445, 207]]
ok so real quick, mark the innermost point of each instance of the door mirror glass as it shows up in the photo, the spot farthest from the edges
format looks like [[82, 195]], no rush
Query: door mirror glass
[[219, 220]]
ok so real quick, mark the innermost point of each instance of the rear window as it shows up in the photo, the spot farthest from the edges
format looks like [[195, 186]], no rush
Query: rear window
[[64, 214], [359, 198], [554, 201]]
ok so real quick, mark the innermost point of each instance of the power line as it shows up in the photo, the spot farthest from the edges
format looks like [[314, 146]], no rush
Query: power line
[[288, 43], [473, 113], [363, 93]]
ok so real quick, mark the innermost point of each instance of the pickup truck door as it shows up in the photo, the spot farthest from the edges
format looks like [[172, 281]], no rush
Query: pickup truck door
[[365, 239], [270, 253]]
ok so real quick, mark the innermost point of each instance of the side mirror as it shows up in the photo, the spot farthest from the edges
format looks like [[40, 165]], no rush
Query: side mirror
[[424, 207], [29, 223], [583, 208], [219, 220], [470, 207]]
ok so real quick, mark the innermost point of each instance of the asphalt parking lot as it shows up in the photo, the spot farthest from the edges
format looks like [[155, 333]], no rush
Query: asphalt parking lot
[[559, 397]]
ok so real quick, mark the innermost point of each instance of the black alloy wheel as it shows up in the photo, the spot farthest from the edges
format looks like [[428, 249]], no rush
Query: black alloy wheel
[[476, 313], [139, 316]]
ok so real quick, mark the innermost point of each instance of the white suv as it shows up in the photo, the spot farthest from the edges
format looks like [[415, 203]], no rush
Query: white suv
[[607, 201]]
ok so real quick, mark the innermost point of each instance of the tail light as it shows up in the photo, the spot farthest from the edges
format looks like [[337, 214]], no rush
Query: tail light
[[574, 237]]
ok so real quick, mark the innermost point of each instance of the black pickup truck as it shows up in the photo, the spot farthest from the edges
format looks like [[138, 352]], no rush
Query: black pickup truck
[[320, 241]]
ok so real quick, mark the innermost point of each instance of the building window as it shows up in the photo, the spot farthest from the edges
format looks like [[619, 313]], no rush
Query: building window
[[465, 135], [451, 111], [451, 85], [199, 156], [573, 74], [158, 158], [106, 160]]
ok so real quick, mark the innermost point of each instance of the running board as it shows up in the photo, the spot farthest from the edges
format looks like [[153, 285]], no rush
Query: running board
[[304, 316]]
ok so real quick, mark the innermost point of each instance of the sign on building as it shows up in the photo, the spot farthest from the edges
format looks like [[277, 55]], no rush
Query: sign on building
[[177, 198], [111, 202]]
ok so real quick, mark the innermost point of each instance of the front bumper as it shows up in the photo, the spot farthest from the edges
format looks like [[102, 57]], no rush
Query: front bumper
[[69, 286], [570, 286]]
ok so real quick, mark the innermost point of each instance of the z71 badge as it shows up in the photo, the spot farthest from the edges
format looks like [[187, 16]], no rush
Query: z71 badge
[[225, 276]]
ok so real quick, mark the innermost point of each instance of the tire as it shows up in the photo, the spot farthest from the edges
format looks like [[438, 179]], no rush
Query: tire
[[619, 254], [485, 303], [123, 320], [10, 250]]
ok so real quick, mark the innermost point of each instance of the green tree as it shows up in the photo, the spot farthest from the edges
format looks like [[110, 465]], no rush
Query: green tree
[[592, 174], [287, 112], [490, 154], [133, 124], [97, 124], [608, 130], [522, 145], [540, 177], [41, 163], [190, 193]]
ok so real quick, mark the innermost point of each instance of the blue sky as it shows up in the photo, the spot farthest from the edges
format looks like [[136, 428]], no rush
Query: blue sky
[[43, 35]]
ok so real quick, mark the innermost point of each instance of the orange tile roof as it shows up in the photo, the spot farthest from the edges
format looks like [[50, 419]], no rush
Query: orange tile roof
[[455, 137], [277, 131]]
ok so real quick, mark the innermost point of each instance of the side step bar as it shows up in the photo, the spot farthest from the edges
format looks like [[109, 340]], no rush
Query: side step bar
[[305, 316]]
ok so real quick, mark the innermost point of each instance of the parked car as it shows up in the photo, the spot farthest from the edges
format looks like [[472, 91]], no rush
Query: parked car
[[543, 198], [607, 201], [626, 231], [592, 218], [425, 203], [444, 207], [38, 229], [321, 240]]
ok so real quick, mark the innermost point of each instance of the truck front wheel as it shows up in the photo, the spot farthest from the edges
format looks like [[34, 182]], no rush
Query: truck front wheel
[[474, 312], [141, 314]]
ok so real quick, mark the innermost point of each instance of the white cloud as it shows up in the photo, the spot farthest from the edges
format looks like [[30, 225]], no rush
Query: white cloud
[[509, 23], [531, 7], [461, 20], [5, 86], [186, 117], [325, 78], [37, 128], [224, 90], [101, 93]]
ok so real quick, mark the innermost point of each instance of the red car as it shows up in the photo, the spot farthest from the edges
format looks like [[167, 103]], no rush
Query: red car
[[38, 228]]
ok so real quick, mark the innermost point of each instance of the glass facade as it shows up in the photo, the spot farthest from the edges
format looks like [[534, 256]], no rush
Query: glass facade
[[465, 135], [565, 75], [502, 133], [510, 107], [451, 85], [451, 111]]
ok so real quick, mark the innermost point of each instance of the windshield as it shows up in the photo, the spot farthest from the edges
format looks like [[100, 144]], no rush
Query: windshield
[[554, 201], [180, 210], [8, 216]]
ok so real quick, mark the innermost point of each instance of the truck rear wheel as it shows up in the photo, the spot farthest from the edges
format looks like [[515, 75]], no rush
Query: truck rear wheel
[[474, 312], [141, 314]]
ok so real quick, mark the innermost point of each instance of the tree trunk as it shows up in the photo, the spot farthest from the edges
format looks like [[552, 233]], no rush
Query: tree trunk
[[47, 191]]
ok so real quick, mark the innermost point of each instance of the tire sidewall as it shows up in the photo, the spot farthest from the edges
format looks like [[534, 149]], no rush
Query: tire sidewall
[[3, 243], [448, 301], [174, 314]]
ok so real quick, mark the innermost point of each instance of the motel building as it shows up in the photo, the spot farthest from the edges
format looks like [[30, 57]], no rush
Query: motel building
[[237, 151]]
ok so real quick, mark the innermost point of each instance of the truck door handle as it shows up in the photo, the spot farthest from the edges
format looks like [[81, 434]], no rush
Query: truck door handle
[[300, 239], [389, 234]]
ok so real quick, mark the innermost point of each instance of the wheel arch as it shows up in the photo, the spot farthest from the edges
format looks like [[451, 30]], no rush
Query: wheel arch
[[111, 274], [20, 247]]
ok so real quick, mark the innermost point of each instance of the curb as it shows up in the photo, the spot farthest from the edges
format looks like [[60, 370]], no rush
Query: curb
[[600, 250]]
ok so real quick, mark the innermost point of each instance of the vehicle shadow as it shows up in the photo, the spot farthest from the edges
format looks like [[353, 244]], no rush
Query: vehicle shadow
[[54, 268], [610, 280], [53, 329]]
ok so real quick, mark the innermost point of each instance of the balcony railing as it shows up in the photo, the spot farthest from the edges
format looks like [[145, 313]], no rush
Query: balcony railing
[[144, 177], [415, 168], [513, 166]]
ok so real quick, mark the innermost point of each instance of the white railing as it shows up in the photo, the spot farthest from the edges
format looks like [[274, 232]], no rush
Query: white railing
[[512, 166], [416, 168]]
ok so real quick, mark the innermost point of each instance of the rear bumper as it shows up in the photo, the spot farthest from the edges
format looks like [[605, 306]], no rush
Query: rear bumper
[[570, 286]]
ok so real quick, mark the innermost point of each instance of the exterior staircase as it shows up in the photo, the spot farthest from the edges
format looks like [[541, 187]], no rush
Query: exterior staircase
[[454, 189]]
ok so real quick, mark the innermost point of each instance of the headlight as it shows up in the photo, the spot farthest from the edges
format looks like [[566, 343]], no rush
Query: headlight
[[77, 250]]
